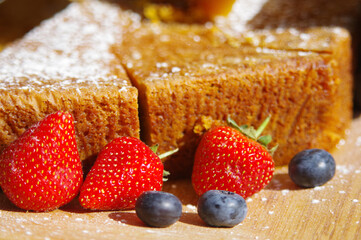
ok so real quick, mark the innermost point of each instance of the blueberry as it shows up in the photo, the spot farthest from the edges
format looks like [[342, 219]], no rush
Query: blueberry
[[220, 208], [311, 168], [158, 209]]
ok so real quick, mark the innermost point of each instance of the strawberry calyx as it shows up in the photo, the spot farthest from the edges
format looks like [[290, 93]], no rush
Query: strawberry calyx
[[154, 148], [255, 134]]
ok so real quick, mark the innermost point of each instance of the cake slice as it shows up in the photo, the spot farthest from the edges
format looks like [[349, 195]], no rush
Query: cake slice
[[191, 77], [333, 44], [65, 64], [284, 18]]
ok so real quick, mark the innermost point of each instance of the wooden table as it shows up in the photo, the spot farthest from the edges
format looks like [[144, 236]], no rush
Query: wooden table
[[281, 211]]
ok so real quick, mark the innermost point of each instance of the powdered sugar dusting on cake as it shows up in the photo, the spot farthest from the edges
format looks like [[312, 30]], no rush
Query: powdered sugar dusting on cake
[[69, 50], [303, 40]]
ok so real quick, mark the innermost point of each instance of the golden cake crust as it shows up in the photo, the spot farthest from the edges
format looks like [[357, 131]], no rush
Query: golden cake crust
[[201, 76], [65, 65], [188, 77]]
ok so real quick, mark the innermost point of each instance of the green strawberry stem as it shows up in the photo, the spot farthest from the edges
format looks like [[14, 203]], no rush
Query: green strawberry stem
[[255, 134], [272, 150], [165, 175], [154, 148], [167, 154], [261, 128]]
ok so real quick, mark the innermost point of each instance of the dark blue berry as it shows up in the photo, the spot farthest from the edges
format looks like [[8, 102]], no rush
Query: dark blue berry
[[311, 168], [158, 209], [220, 208]]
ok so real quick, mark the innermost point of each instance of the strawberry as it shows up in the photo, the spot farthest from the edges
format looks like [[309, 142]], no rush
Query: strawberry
[[41, 170], [234, 159], [124, 169]]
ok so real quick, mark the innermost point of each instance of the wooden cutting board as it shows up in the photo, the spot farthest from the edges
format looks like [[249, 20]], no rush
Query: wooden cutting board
[[281, 211]]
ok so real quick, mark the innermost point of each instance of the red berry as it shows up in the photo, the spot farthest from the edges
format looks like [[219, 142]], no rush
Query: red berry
[[228, 160], [41, 170], [124, 169]]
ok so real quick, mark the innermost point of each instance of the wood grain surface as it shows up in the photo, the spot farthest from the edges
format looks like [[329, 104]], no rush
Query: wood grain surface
[[281, 211]]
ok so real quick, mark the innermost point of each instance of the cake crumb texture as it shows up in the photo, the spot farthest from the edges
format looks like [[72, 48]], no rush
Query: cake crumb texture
[[65, 64], [185, 78], [306, 92]]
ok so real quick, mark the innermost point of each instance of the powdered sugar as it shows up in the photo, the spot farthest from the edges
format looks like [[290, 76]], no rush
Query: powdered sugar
[[69, 50], [319, 188], [285, 192], [191, 207], [344, 169]]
